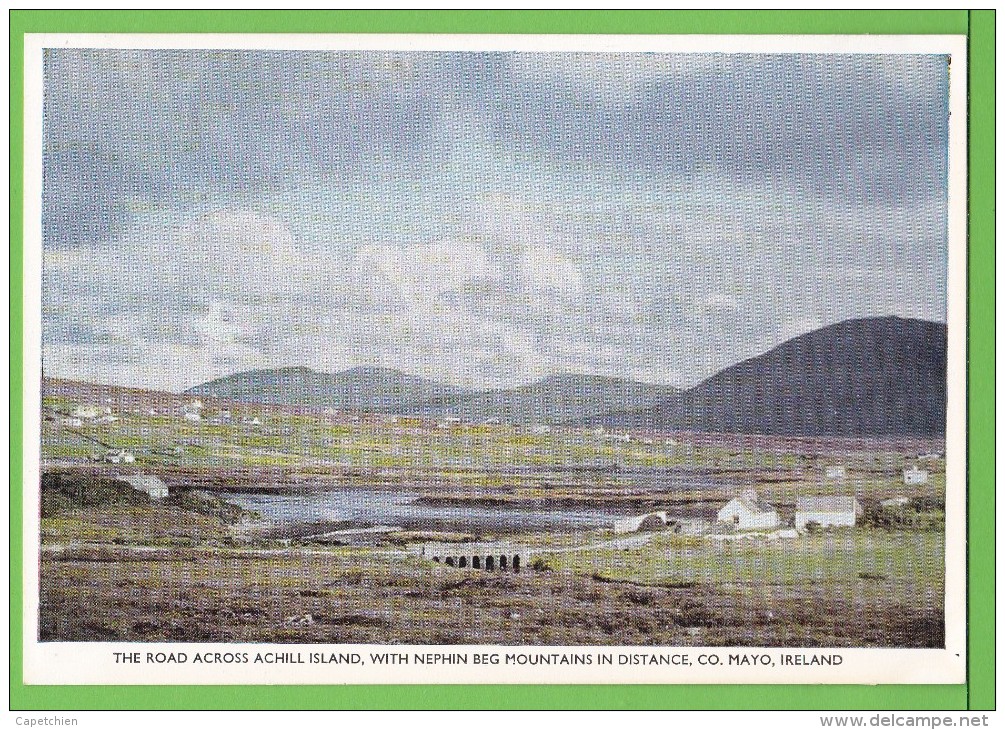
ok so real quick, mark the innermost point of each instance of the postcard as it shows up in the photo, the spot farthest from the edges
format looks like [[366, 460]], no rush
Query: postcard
[[393, 359]]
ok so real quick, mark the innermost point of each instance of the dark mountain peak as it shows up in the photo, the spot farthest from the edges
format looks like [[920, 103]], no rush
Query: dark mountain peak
[[871, 344], [860, 377]]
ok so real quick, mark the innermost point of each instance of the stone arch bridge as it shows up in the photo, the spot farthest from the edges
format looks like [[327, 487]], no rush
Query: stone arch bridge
[[478, 555]]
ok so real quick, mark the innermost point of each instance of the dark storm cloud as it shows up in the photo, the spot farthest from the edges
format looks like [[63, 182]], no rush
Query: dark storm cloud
[[182, 124], [847, 126], [485, 218], [185, 127]]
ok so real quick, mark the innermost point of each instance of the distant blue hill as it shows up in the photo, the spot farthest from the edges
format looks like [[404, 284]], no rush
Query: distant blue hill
[[862, 377], [360, 389], [556, 399]]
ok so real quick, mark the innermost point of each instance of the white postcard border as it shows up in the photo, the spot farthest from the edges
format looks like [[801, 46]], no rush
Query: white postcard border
[[93, 662]]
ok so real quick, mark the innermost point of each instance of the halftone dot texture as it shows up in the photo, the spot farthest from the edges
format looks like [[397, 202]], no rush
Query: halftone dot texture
[[667, 330]]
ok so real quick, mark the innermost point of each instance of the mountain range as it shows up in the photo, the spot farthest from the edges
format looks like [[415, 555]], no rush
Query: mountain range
[[861, 377]]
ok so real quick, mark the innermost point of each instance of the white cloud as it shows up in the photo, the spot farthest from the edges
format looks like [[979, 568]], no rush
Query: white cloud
[[549, 270], [487, 281], [424, 270]]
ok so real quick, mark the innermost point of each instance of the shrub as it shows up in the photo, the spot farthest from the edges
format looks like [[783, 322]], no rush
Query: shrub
[[540, 565], [65, 490], [907, 517], [210, 505]]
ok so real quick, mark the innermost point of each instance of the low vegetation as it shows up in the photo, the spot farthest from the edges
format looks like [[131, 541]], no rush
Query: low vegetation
[[73, 489], [191, 595], [196, 567]]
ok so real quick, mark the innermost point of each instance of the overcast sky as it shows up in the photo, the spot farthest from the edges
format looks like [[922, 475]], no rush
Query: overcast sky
[[484, 219]]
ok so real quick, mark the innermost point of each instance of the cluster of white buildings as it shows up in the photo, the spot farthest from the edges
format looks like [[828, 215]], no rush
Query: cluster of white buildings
[[118, 456], [89, 414], [748, 512]]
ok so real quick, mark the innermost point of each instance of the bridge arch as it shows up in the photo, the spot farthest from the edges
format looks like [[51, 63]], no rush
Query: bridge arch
[[477, 556]]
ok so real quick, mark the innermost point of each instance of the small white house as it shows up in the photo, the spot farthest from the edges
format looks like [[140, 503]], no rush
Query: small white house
[[153, 486], [540, 429], [835, 472], [72, 422], [118, 456], [914, 475], [748, 512], [636, 523], [192, 416], [841, 511], [251, 421], [86, 412]]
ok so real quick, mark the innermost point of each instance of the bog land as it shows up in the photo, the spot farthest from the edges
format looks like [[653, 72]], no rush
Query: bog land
[[271, 523]]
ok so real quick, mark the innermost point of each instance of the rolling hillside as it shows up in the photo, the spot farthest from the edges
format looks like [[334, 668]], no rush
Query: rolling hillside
[[861, 377], [555, 399], [364, 389]]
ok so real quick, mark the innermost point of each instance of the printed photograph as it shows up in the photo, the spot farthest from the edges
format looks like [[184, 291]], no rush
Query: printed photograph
[[497, 348]]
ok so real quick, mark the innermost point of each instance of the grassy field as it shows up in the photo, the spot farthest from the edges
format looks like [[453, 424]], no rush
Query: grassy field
[[188, 570], [153, 425], [345, 596], [158, 573], [867, 564]]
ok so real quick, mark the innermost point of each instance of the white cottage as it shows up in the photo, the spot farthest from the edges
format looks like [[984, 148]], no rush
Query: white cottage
[[640, 523], [748, 512], [914, 475], [840, 511], [118, 456], [86, 412], [835, 472]]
